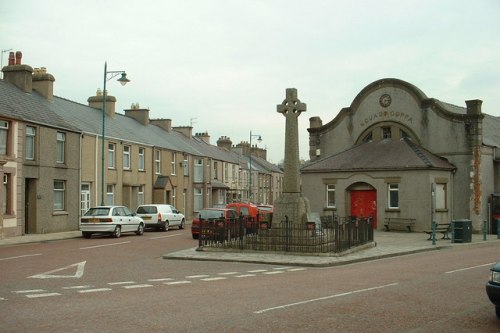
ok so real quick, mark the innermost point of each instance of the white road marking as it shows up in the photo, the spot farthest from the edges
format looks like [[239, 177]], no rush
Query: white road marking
[[42, 295], [120, 283], [160, 237], [258, 271], [23, 256], [214, 278], [3, 299], [228, 273], [29, 291], [97, 246], [467, 268], [281, 268], [296, 269], [93, 290], [160, 280], [177, 282], [138, 286], [245, 275], [78, 287], [280, 307], [275, 272], [197, 276], [48, 275]]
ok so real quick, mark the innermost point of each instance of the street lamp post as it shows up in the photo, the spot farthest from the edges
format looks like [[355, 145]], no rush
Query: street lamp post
[[123, 80], [259, 138]]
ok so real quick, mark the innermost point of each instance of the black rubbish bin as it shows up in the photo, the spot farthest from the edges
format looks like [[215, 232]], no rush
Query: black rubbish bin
[[461, 231]]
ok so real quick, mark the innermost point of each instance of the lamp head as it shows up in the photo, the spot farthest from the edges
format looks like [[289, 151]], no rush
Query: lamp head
[[259, 139], [123, 80]]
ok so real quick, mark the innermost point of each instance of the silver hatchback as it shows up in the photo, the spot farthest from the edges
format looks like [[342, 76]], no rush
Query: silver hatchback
[[111, 220]]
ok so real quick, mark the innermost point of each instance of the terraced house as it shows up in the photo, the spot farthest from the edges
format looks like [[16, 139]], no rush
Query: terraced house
[[54, 167]]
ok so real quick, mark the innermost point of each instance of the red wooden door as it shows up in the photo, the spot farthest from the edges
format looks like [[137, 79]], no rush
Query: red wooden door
[[364, 204]]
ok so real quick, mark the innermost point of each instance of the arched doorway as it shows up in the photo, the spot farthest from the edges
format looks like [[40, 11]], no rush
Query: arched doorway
[[363, 201]]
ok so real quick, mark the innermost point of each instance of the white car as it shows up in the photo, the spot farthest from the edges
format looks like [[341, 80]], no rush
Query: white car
[[111, 220], [161, 217]]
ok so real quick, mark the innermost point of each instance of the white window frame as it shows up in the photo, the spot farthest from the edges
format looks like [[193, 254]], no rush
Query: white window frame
[[330, 196], [198, 199], [198, 170], [4, 137], [441, 196], [126, 157], [392, 189], [6, 193], [173, 165], [111, 155], [59, 194], [140, 195], [30, 143], [157, 161], [110, 194], [60, 147], [141, 163]]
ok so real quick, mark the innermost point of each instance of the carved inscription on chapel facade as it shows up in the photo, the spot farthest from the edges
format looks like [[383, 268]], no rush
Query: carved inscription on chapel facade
[[386, 115]]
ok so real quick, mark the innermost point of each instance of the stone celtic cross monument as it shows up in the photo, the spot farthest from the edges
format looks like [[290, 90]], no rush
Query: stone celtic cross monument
[[291, 203]]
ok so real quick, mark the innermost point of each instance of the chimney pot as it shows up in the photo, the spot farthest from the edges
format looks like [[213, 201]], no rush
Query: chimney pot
[[19, 56], [12, 59]]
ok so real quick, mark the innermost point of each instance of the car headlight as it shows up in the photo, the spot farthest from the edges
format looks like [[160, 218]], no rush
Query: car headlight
[[495, 277]]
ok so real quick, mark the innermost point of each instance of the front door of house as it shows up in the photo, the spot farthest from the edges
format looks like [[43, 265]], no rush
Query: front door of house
[[364, 204]]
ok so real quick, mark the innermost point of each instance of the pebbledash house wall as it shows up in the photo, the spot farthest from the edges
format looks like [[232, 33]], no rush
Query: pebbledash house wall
[[446, 130]]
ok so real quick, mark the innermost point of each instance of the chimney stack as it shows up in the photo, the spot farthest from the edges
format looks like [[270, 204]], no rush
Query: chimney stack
[[96, 103], [225, 143], [165, 124], [140, 115], [17, 74], [43, 83]]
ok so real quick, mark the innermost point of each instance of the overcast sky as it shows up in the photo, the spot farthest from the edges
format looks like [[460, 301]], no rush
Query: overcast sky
[[224, 65]]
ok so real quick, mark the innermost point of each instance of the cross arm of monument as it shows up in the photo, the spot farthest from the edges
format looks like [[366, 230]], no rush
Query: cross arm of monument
[[291, 104]]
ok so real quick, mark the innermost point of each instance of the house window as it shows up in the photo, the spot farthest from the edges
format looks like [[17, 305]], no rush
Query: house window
[[4, 137], [330, 196], [140, 195], [441, 196], [173, 168], [393, 196], [198, 199], [386, 133], [368, 137], [141, 159], [215, 170], [198, 170], [30, 143], [60, 146], [59, 191], [226, 171], [111, 155], [6, 194], [110, 195], [157, 162], [126, 157]]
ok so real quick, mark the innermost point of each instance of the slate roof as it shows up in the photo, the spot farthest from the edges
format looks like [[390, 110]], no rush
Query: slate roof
[[491, 131], [382, 155], [17, 104]]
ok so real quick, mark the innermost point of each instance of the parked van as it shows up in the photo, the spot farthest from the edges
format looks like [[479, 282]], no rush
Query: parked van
[[161, 217]]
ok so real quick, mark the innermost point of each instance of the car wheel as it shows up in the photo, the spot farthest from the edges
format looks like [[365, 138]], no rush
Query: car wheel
[[181, 226], [165, 226], [118, 232], [497, 311], [140, 230], [86, 235]]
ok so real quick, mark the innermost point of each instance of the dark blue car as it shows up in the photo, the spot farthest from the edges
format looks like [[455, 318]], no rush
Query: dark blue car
[[493, 287]]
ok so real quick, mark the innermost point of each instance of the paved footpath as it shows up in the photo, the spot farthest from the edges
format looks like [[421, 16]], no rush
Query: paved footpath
[[387, 244]]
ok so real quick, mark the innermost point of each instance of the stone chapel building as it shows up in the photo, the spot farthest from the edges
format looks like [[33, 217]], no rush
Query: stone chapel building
[[397, 153]]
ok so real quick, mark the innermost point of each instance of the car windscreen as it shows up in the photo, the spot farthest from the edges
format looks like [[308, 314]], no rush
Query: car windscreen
[[211, 214], [147, 210], [97, 212]]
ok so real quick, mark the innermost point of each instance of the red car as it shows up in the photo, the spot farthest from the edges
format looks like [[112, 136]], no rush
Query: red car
[[208, 215]]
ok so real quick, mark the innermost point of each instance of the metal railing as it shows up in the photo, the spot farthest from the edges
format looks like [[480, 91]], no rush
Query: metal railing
[[333, 235]]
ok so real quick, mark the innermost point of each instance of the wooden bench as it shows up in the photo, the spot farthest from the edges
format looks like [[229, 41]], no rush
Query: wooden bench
[[443, 228], [398, 222]]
